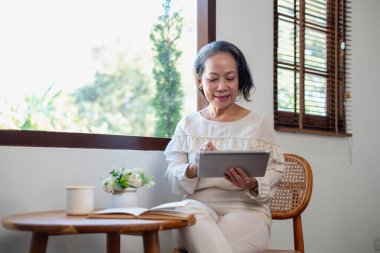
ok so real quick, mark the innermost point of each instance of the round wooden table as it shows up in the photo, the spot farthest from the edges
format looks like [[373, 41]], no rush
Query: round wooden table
[[43, 224]]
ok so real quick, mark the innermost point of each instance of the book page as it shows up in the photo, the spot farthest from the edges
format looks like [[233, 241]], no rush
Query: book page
[[160, 212], [171, 205], [135, 211]]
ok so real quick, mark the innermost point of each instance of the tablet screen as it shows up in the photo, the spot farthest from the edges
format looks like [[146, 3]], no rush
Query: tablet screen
[[215, 163]]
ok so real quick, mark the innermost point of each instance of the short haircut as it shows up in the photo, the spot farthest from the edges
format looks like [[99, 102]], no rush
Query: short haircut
[[217, 47]]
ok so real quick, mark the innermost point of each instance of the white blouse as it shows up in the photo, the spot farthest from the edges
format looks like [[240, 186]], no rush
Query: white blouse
[[252, 132]]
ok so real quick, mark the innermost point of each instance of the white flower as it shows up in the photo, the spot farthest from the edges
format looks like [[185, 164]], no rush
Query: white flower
[[121, 178], [135, 180], [108, 184]]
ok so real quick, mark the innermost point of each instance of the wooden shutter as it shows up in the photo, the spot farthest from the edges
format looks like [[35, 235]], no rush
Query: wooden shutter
[[310, 66]]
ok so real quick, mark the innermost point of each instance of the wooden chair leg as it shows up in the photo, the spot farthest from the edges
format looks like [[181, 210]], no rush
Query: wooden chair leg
[[298, 234]]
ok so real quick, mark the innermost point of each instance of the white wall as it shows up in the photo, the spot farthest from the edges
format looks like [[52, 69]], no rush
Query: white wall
[[343, 213]]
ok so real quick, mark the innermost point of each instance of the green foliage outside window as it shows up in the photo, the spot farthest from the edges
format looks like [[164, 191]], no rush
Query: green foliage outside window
[[118, 100], [168, 100]]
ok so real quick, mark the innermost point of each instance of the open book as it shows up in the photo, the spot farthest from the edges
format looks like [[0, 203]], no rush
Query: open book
[[162, 212]]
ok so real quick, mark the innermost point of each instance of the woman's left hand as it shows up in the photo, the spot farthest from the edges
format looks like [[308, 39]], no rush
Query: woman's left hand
[[238, 177]]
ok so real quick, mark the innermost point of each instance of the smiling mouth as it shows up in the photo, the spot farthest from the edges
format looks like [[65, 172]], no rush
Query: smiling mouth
[[222, 97]]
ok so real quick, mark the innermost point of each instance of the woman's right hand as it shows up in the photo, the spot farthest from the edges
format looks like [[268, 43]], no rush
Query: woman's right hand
[[192, 169]]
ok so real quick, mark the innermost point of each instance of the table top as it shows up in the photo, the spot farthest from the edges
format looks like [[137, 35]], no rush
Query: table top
[[58, 222]]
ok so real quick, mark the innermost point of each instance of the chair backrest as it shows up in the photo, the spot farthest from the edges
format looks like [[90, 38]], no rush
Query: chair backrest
[[293, 195]]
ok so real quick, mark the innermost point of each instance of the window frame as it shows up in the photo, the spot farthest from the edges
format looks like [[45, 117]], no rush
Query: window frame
[[335, 123], [206, 30]]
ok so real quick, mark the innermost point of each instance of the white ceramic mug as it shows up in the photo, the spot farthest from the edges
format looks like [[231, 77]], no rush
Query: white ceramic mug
[[79, 200]]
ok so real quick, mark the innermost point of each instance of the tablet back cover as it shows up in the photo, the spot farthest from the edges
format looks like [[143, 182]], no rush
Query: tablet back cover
[[215, 163]]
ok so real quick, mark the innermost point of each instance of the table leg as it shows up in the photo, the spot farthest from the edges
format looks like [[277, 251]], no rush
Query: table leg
[[39, 242], [151, 242], [113, 243]]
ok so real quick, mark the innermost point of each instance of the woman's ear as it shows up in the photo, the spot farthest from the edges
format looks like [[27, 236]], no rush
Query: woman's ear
[[198, 79]]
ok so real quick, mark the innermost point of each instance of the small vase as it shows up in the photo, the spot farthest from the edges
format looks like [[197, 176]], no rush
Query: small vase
[[127, 198]]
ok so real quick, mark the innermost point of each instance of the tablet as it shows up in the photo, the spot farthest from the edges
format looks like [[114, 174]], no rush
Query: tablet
[[215, 163]]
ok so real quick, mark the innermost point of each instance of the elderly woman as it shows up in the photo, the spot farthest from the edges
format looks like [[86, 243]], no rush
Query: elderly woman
[[232, 212]]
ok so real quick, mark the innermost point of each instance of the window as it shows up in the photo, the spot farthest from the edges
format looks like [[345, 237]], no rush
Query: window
[[205, 27], [311, 92]]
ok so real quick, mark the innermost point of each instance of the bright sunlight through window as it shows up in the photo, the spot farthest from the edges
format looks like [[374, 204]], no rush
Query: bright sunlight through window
[[97, 66]]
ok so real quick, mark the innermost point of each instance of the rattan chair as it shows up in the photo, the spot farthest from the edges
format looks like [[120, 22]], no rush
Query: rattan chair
[[292, 197]]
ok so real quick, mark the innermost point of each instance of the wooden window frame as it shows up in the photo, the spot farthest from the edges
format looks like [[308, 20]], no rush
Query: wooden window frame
[[206, 30], [335, 122]]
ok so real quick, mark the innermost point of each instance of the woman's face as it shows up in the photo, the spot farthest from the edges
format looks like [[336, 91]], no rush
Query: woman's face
[[220, 81]]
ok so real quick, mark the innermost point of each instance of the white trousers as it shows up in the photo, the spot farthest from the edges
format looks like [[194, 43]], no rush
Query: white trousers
[[233, 232]]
